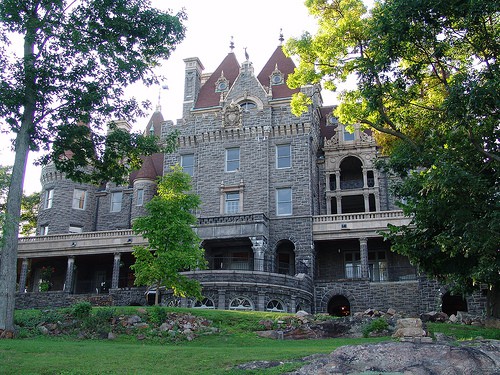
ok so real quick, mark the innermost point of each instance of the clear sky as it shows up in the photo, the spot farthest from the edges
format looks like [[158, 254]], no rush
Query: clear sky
[[210, 25]]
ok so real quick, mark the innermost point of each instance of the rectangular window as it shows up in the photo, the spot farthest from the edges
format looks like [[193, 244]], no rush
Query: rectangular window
[[232, 159], [232, 202], [75, 229], [44, 230], [187, 164], [283, 156], [140, 197], [284, 201], [49, 196], [116, 201], [348, 136], [79, 199]]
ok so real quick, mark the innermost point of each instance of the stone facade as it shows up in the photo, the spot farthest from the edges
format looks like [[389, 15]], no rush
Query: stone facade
[[290, 217]]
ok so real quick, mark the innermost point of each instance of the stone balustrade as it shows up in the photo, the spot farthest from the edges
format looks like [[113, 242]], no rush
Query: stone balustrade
[[328, 227]]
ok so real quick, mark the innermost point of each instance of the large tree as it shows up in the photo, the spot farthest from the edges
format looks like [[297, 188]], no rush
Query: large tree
[[173, 245], [73, 63], [428, 82]]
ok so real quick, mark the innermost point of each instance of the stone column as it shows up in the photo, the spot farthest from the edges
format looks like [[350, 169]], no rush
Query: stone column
[[221, 305], [367, 202], [339, 204], [116, 271], [365, 178], [261, 301], [363, 249], [337, 178], [258, 253], [69, 274], [23, 276], [293, 304]]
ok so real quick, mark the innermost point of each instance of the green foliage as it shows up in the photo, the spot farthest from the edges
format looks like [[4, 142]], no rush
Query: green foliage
[[81, 310], [173, 246], [157, 314], [428, 82], [377, 325], [463, 331]]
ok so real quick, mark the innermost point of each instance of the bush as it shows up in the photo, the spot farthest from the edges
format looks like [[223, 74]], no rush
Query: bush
[[377, 326], [157, 314], [81, 310]]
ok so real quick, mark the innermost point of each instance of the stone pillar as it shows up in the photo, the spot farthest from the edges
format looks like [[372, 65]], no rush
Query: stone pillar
[[367, 202], [293, 304], [365, 178], [221, 305], [363, 249], [23, 276], [261, 301], [116, 271], [258, 253], [339, 205], [337, 177], [69, 274]]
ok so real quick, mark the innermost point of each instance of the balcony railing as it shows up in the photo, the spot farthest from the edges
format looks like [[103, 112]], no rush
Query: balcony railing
[[375, 273]]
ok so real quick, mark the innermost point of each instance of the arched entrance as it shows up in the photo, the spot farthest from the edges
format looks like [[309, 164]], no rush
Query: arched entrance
[[453, 303], [285, 257], [339, 306]]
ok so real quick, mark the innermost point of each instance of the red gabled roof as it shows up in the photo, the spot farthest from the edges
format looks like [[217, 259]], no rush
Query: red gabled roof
[[151, 169], [156, 121], [207, 96], [327, 129], [286, 66]]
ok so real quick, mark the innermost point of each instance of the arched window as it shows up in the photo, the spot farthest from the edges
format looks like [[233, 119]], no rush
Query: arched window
[[275, 306], [240, 303], [205, 303], [247, 105]]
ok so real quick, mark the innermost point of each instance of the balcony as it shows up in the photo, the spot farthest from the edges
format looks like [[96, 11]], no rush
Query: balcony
[[376, 273], [72, 244], [354, 225], [233, 226]]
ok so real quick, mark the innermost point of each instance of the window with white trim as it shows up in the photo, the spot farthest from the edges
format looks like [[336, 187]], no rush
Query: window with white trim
[[275, 306], [79, 199], [44, 230], [284, 201], [140, 197], [116, 201], [232, 159], [187, 164], [348, 136], [205, 303], [49, 196], [75, 229], [231, 202], [283, 156], [240, 303]]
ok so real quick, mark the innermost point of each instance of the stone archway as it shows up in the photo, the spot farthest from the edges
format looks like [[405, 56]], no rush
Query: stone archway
[[339, 305], [285, 257], [451, 304]]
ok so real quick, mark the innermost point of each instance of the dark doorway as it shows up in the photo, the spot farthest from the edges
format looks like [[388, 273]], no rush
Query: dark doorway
[[453, 303], [339, 306]]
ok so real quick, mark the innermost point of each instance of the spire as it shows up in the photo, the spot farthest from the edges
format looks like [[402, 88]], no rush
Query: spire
[[246, 54], [231, 45], [158, 106], [281, 39]]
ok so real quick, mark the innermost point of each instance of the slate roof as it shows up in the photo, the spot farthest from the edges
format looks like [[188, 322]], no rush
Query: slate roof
[[207, 96], [286, 66]]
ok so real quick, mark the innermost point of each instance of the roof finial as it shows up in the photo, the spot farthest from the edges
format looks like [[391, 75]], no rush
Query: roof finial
[[246, 54], [158, 106], [281, 39], [231, 44]]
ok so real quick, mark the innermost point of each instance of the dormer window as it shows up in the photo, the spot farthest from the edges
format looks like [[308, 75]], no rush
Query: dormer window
[[222, 84], [277, 77]]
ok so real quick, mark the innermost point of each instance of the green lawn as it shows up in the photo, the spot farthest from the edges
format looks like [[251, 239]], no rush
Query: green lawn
[[205, 355], [218, 353]]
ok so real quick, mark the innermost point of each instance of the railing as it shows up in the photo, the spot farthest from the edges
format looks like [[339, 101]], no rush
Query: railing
[[247, 218], [380, 215], [79, 236], [376, 273]]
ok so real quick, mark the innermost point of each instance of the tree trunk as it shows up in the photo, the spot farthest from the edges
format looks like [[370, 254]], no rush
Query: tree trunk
[[8, 259]]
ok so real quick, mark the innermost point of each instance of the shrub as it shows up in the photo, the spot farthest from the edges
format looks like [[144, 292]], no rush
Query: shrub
[[157, 314], [81, 310], [377, 325]]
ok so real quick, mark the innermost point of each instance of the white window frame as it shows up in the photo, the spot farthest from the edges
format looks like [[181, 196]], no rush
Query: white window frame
[[284, 207], [79, 199], [44, 230], [348, 136], [232, 202], [49, 198], [232, 163], [188, 168], [116, 204], [285, 159], [140, 197], [75, 229]]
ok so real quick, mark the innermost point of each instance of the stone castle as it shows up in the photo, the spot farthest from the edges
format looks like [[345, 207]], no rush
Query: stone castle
[[291, 214]]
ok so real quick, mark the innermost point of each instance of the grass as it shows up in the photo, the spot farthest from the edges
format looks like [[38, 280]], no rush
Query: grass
[[464, 332], [211, 354]]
